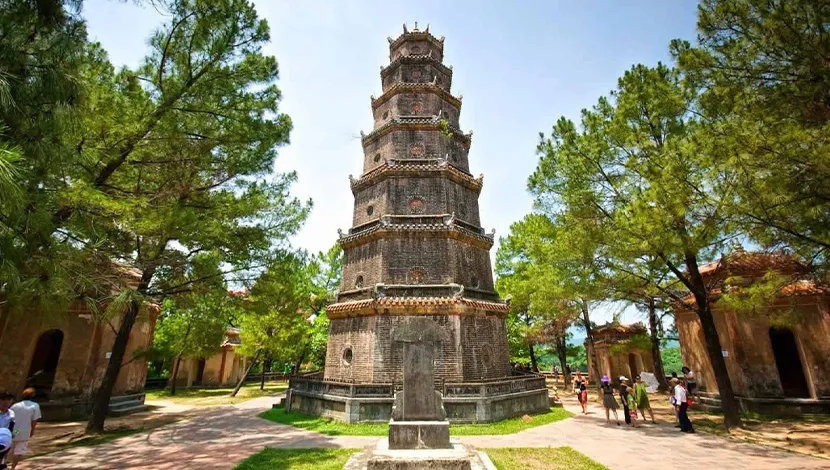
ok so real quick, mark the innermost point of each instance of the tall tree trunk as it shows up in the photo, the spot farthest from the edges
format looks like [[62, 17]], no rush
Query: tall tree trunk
[[101, 402], [534, 366], [175, 375], [590, 337], [562, 353], [655, 347], [247, 371], [262, 375], [731, 417]]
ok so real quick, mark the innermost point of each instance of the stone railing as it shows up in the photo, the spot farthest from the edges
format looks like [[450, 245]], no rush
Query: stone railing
[[484, 388], [342, 389], [494, 388]]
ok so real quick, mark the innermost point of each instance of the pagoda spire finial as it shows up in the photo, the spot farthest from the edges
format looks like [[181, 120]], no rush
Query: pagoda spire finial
[[415, 29]]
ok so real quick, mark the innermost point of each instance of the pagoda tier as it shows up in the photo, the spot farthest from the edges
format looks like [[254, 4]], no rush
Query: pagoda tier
[[416, 246]]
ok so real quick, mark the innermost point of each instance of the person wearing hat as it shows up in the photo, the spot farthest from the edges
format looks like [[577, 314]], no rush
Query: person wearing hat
[[624, 399], [608, 400]]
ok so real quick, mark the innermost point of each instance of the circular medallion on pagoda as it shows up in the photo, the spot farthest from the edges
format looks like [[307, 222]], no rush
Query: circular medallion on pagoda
[[416, 275], [415, 50], [417, 205], [416, 150], [416, 108], [415, 75]]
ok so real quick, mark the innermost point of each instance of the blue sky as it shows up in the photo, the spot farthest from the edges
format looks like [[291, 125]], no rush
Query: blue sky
[[519, 65]]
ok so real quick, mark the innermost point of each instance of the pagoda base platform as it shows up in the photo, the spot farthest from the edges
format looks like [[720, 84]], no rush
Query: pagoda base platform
[[482, 402], [381, 457]]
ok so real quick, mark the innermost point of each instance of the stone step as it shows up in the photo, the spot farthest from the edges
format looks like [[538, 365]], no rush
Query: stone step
[[125, 410], [135, 397]]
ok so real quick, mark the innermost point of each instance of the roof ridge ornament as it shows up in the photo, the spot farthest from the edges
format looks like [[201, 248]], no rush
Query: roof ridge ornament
[[405, 31], [449, 219], [427, 30]]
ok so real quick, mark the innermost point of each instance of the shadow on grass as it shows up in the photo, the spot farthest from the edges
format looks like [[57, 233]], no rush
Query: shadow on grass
[[297, 459], [332, 427], [214, 395]]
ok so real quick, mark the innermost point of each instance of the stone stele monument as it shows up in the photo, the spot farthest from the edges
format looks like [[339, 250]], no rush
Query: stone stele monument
[[418, 417]]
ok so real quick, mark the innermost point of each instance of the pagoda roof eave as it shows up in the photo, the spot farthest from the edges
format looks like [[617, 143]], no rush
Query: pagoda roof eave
[[404, 87], [378, 229], [417, 36], [398, 122], [443, 168], [415, 306], [384, 71]]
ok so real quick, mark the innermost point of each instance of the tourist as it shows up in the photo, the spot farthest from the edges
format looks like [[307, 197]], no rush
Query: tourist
[[680, 397], [580, 387], [624, 399], [629, 398], [641, 398], [5, 445], [26, 416], [556, 373], [608, 400], [672, 385], [691, 382], [6, 414]]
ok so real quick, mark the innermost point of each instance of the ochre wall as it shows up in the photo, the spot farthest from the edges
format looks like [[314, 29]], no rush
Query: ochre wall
[[750, 359], [82, 362]]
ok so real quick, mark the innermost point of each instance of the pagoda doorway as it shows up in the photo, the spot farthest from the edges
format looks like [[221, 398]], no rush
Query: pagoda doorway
[[788, 362], [632, 364], [44, 362]]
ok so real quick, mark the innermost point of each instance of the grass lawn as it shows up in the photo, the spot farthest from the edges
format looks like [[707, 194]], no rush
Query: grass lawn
[[336, 428], [297, 459], [563, 458], [216, 396], [548, 458]]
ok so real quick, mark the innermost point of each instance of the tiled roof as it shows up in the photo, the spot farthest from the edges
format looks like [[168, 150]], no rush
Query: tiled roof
[[748, 263], [618, 328], [387, 302], [802, 287]]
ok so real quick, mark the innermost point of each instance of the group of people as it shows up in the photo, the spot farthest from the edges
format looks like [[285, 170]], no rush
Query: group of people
[[17, 425], [634, 399]]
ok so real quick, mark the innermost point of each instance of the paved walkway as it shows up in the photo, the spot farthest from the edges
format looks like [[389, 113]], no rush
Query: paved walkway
[[219, 439]]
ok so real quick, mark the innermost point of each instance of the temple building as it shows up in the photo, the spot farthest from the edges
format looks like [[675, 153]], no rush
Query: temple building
[[224, 368], [417, 248], [774, 366], [64, 355], [621, 350]]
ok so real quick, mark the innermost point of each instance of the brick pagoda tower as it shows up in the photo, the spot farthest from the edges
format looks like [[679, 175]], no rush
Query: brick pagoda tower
[[416, 246]]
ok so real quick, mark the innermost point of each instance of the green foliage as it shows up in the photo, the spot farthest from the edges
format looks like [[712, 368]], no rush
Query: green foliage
[[766, 104], [191, 326], [761, 297], [577, 358], [672, 361], [634, 343]]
